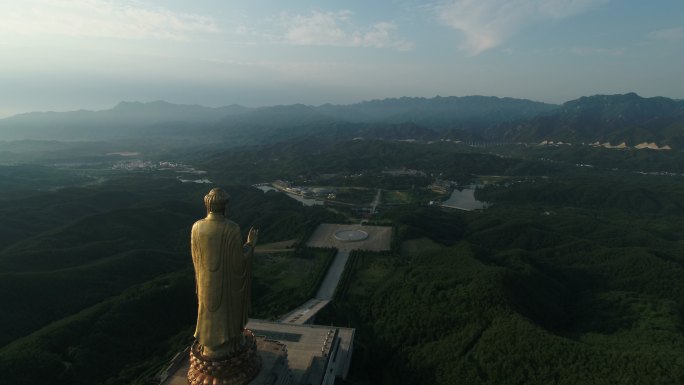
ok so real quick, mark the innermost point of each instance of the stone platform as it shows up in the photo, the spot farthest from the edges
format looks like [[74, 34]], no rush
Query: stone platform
[[377, 238]]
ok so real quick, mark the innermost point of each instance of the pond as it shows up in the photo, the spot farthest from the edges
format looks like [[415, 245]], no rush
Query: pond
[[464, 200]]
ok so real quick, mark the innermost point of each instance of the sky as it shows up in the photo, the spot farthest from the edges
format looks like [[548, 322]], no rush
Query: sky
[[63, 55]]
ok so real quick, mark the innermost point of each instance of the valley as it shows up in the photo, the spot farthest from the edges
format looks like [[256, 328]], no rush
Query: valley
[[507, 261]]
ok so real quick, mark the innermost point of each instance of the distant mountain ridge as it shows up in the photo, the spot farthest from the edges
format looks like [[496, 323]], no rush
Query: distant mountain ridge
[[440, 112], [123, 120], [626, 118], [128, 119], [616, 119]]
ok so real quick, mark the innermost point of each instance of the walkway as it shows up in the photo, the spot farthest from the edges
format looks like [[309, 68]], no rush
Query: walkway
[[376, 202], [378, 240], [305, 312], [332, 277]]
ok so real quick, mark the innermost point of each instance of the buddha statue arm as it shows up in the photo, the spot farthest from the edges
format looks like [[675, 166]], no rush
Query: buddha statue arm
[[252, 237]]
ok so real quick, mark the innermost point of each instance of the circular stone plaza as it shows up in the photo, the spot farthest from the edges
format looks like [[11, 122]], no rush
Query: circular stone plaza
[[353, 235]]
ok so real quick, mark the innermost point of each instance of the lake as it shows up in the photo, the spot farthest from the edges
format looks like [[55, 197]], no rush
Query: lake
[[464, 200]]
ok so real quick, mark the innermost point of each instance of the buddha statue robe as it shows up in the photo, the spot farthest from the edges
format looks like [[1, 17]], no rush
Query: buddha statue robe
[[222, 274]]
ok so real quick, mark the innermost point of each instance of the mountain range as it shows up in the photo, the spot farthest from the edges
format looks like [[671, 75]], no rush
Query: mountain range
[[615, 119]]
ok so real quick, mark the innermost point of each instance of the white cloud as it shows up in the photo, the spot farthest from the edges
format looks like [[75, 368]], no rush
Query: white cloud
[[489, 23], [337, 29], [99, 18], [671, 34]]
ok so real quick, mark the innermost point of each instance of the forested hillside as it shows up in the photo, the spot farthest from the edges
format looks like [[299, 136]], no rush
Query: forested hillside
[[515, 296], [571, 275], [97, 284]]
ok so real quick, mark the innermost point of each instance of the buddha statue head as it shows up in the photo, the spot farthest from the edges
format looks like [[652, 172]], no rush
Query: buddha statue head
[[216, 201]]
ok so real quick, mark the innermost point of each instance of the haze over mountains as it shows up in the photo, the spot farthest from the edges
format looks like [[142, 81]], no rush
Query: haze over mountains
[[626, 118]]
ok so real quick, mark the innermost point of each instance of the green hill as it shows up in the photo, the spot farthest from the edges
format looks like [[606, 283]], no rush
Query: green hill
[[522, 298]]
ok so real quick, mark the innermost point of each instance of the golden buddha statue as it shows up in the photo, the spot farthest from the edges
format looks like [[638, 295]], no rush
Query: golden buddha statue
[[223, 270]]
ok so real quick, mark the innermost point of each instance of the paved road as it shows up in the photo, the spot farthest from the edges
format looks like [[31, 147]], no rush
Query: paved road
[[327, 288]]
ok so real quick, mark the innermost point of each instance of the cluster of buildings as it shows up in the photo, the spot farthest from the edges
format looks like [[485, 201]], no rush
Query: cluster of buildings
[[307, 192], [621, 146], [440, 186], [146, 165]]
